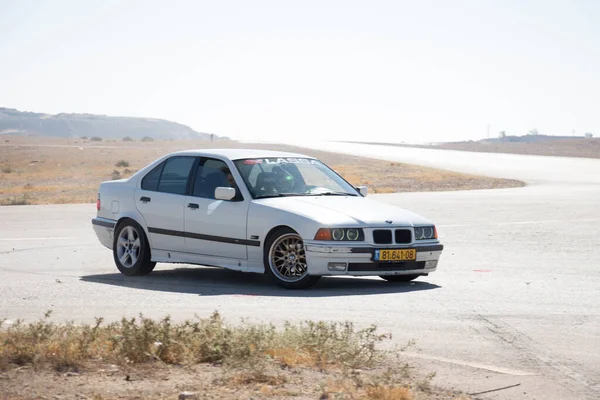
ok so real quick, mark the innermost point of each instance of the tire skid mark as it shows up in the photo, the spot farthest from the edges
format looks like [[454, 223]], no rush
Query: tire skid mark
[[533, 351], [571, 374]]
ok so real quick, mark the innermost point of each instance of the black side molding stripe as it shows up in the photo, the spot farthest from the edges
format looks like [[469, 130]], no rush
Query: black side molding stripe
[[368, 250], [221, 239], [100, 222]]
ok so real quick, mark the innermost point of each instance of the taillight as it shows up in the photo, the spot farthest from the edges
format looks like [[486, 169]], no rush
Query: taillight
[[98, 202]]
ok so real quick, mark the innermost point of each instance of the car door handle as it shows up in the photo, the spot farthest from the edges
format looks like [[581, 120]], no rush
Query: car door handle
[[193, 206], [145, 199]]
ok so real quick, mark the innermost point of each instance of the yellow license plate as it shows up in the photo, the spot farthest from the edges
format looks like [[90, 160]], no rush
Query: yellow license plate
[[395, 255]]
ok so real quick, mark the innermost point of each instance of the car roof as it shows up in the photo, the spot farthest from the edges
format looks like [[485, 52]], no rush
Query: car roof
[[238, 154]]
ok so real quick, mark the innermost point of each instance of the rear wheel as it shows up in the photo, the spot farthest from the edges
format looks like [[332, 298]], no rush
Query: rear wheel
[[285, 260], [131, 251], [399, 278]]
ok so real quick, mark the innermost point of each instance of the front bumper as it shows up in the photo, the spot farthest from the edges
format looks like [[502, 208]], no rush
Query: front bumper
[[356, 260]]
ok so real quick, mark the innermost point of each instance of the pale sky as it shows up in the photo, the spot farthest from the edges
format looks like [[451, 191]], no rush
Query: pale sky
[[413, 71]]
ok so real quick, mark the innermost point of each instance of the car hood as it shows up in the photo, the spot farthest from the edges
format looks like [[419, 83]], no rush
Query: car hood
[[345, 210]]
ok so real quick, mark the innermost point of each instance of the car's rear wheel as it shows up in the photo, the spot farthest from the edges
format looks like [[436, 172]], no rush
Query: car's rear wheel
[[285, 260], [131, 250], [399, 278]]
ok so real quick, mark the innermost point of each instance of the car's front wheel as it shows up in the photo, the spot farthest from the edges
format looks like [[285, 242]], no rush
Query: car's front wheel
[[399, 278], [131, 250], [285, 260]]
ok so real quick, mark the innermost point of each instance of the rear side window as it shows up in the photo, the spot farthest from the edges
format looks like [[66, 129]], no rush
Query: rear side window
[[150, 181], [175, 175]]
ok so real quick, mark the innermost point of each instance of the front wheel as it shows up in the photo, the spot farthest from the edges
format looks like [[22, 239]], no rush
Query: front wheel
[[285, 260], [399, 278], [131, 251]]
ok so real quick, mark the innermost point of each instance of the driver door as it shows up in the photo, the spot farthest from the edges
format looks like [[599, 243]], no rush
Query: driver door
[[215, 227]]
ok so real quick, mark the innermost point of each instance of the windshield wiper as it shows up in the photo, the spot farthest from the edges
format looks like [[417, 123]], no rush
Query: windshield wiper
[[333, 194], [267, 196]]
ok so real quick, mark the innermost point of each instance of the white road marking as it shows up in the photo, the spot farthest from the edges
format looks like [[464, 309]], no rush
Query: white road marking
[[501, 370], [38, 238]]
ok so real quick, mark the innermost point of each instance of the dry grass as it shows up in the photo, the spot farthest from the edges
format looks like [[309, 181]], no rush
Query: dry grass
[[389, 393], [325, 360], [70, 171], [135, 341]]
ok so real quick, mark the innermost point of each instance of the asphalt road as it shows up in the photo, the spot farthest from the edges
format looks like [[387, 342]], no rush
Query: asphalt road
[[516, 298]]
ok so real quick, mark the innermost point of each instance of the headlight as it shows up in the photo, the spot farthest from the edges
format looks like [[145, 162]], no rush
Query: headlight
[[340, 234], [425, 232], [352, 234]]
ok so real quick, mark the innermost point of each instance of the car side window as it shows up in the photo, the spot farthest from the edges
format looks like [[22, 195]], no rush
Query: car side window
[[211, 174], [150, 181], [175, 175]]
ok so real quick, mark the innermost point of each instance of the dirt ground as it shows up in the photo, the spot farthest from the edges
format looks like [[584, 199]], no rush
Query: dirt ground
[[35, 170], [205, 381]]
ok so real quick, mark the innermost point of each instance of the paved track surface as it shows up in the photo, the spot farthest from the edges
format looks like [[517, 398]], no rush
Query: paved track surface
[[516, 299]]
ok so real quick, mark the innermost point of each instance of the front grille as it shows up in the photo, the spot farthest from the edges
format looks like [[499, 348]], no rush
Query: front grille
[[403, 236], [382, 236], [399, 266]]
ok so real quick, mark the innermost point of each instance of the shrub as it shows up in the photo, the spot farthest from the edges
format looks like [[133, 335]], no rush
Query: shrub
[[7, 169], [96, 139], [127, 139], [128, 172], [16, 201], [122, 163], [115, 175], [147, 139]]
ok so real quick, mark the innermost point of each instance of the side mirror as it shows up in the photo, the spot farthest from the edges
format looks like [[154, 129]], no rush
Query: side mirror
[[362, 190], [224, 193]]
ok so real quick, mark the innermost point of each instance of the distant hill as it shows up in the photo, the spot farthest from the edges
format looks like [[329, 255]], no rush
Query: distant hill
[[542, 145], [17, 122], [529, 139]]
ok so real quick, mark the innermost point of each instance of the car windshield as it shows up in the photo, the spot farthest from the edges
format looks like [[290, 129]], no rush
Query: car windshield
[[285, 176]]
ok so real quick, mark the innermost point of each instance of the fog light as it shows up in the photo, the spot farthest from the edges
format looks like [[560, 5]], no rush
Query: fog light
[[336, 266], [431, 264]]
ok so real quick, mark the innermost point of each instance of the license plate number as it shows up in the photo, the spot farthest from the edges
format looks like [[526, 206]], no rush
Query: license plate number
[[395, 255]]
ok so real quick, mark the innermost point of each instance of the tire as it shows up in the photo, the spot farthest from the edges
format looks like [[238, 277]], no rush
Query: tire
[[285, 260], [131, 250], [399, 278]]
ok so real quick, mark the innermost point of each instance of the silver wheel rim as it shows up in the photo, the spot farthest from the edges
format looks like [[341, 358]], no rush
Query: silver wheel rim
[[128, 246], [287, 258]]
